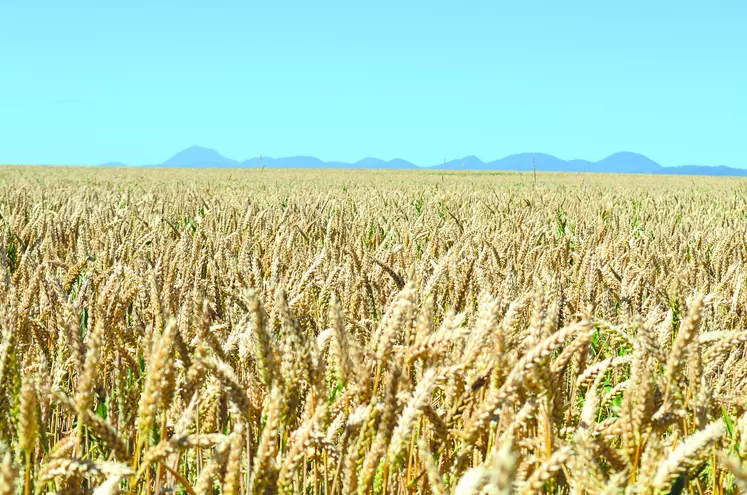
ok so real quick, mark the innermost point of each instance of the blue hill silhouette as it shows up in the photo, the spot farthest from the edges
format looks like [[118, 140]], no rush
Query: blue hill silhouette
[[197, 156], [623, 162]]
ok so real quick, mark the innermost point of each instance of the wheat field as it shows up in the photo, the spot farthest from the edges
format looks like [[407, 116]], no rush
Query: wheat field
[[360, 332]]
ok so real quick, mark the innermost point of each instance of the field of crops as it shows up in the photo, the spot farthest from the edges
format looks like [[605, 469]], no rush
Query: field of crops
[[359, 332]]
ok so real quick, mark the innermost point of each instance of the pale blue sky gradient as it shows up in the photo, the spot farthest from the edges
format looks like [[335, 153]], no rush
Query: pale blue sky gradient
[[83, 82]]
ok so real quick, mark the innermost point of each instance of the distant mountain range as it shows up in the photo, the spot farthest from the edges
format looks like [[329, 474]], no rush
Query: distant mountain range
[[623, 162]]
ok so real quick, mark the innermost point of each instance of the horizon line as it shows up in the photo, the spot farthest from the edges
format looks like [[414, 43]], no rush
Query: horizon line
[[217, 160]]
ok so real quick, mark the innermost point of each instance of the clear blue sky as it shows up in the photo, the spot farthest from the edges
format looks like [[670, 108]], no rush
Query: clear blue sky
[[137, 81]]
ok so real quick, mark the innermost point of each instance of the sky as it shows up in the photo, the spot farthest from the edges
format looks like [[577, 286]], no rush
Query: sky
[[85, 82]]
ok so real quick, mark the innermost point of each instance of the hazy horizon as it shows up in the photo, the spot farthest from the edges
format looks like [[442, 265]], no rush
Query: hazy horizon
[[197, 156], [240, 159]]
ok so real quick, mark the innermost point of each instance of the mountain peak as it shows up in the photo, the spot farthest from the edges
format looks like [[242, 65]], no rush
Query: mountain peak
[[628, 162], [199, 156], [629, 155]]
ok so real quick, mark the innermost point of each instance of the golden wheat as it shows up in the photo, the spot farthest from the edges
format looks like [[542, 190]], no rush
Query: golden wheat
[[339, 332]]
